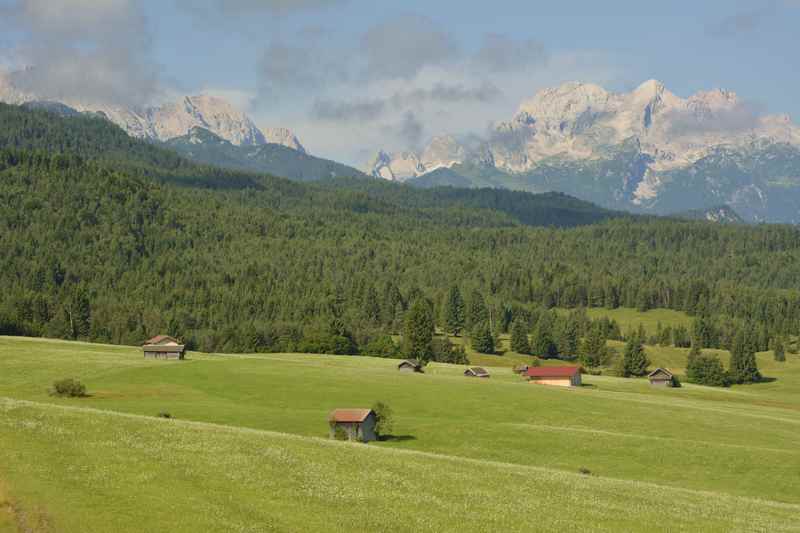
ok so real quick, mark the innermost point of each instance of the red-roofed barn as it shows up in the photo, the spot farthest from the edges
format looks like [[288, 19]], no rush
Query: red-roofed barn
[[357, 424], [561, 376]]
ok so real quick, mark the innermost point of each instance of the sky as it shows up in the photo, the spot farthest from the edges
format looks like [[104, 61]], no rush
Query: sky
[[350, 77]]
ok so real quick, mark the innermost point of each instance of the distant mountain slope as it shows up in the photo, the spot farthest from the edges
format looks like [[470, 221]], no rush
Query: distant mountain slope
[[722, 214], [203, 146], [166, 121], [648, 150]]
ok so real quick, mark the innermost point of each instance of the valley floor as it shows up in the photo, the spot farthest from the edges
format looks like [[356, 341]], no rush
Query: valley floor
[[245, 450]]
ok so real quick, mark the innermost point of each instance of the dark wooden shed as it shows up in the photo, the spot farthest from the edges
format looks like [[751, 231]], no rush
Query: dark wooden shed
[[409, 365], [476, 372], [661, 377]]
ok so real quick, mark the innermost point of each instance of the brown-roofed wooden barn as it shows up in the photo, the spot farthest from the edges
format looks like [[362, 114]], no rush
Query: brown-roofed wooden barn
[[357, 424], [409, 365], [163, 347]]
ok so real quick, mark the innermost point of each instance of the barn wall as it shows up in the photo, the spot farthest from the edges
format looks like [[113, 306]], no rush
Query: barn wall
[[557, 382]]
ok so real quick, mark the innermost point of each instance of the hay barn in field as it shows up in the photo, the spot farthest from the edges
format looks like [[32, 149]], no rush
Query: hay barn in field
[[163, 347], [559, 376], [661, 377], [357, 424], [409, 365], [476, 372]]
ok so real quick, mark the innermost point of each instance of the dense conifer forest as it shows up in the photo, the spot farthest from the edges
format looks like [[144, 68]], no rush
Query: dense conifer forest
[[111, 239]]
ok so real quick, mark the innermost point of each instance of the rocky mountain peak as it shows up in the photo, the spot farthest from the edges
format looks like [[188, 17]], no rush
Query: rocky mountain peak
[[284, 137]]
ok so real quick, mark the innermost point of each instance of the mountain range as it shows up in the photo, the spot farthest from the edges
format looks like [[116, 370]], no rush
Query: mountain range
[[647, 151]]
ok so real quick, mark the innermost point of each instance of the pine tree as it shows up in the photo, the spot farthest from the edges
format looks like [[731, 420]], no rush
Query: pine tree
[[634, 360], [482, 339], [454, 312], [418, 333], [594, 351], [778, 350], [519, 337], [743, 367]]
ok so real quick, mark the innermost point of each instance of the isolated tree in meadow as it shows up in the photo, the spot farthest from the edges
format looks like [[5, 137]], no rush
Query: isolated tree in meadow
[[594, 352], [519, 337], [384, 419], [455, 312], [482, 339], [778, 350], [743, 366], [634, 359], [418, 332]]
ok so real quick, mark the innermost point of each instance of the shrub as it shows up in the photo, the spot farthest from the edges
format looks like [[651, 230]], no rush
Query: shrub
[[384, 419], [585, 471], [446, 352], [340, 434], [164, 414], [69, 387], [706, 369]]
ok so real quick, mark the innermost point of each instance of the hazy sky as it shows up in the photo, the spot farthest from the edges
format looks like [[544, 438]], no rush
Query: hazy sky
[[351, 76]]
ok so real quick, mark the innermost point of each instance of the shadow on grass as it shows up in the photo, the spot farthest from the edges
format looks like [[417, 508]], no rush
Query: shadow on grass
[[397, 438], [588, 386], [767, 380]]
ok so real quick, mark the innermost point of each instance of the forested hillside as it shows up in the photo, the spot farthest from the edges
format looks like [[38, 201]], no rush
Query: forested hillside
[[97, 245]]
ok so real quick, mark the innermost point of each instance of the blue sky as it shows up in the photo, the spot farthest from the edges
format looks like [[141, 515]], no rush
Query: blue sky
[[350, 76]]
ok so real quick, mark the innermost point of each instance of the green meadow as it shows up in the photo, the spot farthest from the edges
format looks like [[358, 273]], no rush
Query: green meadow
[[246, 447]]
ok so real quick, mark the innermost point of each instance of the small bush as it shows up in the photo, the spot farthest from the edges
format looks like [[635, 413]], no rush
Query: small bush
[[70, 388], [585, 471], [164, 414], [384, 419], [340, 434]]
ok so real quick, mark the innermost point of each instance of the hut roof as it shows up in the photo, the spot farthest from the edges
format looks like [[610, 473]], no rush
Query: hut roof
[[411, 362], [477, 371], [349, 415], [158, 339], [660, 371], [553, 371]]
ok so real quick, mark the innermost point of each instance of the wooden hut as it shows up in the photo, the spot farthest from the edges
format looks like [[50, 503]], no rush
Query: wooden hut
[[409, 365], [163, 347], [661, 377], [476, 372], [560, 376], [357, 424], [521, 369]]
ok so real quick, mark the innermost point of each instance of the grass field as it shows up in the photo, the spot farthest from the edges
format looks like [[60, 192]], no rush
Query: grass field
[[245, 451], [630, 319]]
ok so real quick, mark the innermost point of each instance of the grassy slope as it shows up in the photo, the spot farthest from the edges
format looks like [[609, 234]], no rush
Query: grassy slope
[[736, 443]]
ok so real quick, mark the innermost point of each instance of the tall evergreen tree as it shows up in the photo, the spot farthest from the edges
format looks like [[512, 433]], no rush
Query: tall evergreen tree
[[778, 350], [542, 344], [418, 332], [519, 337], [743, 367], [594, 351], [634, 359], [454, 312], [482, 339], [569, 339], [478, 313]]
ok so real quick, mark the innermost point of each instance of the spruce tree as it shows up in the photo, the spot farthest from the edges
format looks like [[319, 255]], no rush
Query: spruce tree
[[482, 339], [454, 312], [778, 350], [569, 339], [743, 367], [418, 333], [634, 360], [478, 313], [519, 337], [542, 344], [593, 351]]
